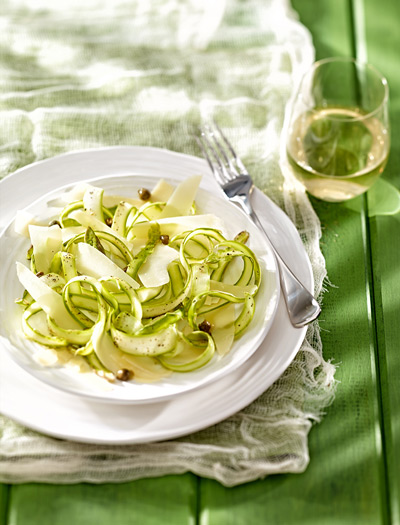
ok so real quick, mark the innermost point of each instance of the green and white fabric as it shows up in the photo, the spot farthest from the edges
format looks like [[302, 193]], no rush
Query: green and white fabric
[[80, 75]]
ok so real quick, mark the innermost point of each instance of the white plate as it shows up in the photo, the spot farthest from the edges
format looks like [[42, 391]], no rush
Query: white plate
[[43, 408], [25, 352]]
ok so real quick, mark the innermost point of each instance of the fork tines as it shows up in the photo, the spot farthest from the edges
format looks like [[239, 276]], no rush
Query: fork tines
[[219, 153]]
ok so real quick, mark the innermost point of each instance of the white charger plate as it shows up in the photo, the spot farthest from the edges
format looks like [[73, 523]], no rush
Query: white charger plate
[[41, 407], [27, 353]]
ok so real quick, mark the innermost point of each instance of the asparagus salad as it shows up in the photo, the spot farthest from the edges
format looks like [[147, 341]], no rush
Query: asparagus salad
[[136, 287]]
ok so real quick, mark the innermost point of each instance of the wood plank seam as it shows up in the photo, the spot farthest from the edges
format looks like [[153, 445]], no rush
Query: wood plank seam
[[375, 362]]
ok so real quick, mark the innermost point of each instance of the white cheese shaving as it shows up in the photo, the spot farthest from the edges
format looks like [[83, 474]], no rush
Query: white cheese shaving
[[162, 191], [46, 242], [49, 300], [93, 263], [76, 193], [154, 272], [182, 199]]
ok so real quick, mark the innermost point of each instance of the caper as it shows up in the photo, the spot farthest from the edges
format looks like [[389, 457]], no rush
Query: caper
[[144, 194], [242, 237], [124, 374], [164, 239], [205, 326]]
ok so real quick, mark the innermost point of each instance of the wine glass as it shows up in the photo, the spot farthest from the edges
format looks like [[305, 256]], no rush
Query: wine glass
[[338, 136]]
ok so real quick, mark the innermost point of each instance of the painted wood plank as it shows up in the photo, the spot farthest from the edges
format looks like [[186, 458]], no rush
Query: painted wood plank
[[382, 38], [3, 502], [343, 483], [329, 23], [170, 500]]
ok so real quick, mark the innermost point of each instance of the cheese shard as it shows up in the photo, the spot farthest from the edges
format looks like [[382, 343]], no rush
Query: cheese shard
[[93, 263], [182, 198], [46, 242], [162, 191], [154, 272], [76, 193], [49, 300]]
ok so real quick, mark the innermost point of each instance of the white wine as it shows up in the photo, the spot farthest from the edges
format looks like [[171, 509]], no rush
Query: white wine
[[337, 153]]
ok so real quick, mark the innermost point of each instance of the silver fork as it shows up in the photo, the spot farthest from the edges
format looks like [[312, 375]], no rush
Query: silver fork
[[232, 176]]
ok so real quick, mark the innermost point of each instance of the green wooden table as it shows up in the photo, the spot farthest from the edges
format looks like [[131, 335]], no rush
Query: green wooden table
[[354, 472]]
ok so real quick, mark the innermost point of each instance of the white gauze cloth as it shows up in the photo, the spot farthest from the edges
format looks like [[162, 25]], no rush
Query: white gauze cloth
[[149, 72]]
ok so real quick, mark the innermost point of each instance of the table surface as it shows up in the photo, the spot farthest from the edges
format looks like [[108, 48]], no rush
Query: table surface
[[354, 472]]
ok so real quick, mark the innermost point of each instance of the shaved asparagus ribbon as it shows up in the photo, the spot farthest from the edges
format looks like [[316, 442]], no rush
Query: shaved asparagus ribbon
[[110, 318]]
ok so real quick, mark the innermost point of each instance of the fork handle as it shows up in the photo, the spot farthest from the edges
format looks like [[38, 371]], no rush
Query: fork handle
[[301, 305]]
